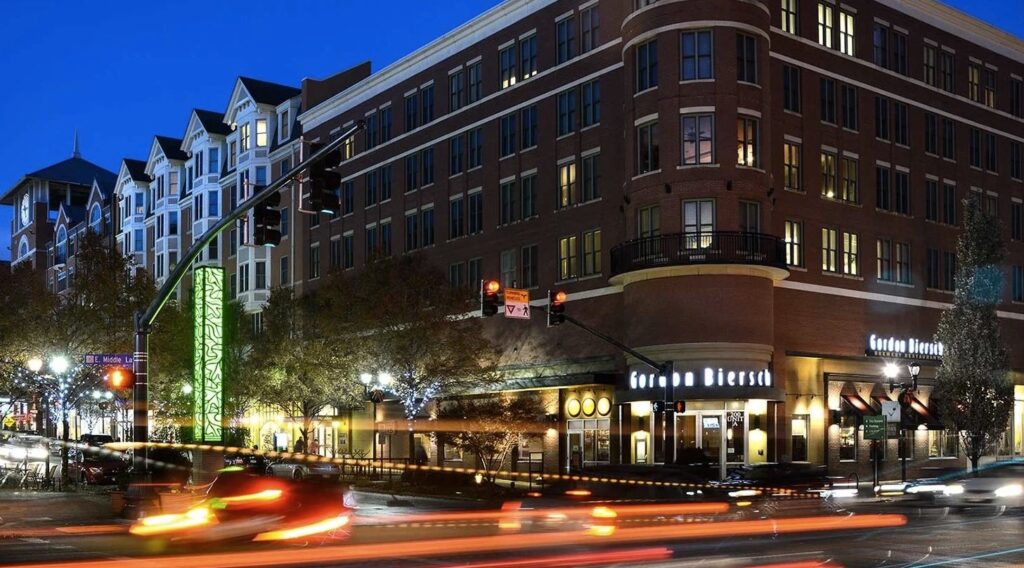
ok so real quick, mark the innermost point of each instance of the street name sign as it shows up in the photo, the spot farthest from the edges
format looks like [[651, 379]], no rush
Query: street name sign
[[874, 427], [121, 359], [517, 303]]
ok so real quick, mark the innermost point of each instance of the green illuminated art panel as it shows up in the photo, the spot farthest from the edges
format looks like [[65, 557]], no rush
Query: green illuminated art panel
[[207, 378]]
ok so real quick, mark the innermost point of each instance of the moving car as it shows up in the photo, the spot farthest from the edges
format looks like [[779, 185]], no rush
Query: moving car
[[999, 485], [301, 469], [24, 448], [242, 506]]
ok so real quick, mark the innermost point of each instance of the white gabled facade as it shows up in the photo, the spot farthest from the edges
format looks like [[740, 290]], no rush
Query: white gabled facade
[[163, 219], [205, 148], [130, 198]]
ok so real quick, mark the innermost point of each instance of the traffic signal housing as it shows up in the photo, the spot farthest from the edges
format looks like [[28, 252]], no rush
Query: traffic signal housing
[[266, 219], [324, 182], [120, 379], [556, 307], [489, 297]]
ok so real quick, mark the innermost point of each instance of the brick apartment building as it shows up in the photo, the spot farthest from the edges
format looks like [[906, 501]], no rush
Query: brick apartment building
[[765, 194]]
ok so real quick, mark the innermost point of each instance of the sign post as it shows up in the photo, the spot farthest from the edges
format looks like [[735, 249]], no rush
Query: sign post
[[517, 303], [874, 430]]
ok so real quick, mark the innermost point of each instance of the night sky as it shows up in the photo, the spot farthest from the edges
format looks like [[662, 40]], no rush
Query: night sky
[[121, 72]]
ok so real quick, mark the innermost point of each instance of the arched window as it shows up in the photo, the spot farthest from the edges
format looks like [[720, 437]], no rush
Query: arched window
[[96, 219], [62, 246], [23, 247]]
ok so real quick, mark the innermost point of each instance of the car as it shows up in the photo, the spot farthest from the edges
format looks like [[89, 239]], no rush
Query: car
[[95, 467], [24, 448], [999, 485], [297, 468], [241, 506], [168, 465], [96, 440], [773, 489]]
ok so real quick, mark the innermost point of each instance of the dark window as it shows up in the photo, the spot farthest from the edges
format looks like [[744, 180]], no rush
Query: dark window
[[455, 152], [591, 94], [566, 112], [529, 119], [508, 134], [933, 269], [529, 195], [427, 104], [476, 82], [427, 163], [949, 204], [828, 100], [1017, 98], [851, 119], [901, 126], [988, 87], [566, 37], [475, 147], [746, 58], [991, 163], [901, 187], [371, 188], [1017, 221], [529, 266], [476, 213], [1017, 284], [974, 152], [931, 200], [371, 131], [791, 88], [883, 191], [929, 74], [591, 177], [590, 23], [528, 57], [882, 118], [412, 172], [1015, 160], [385, 239], [385, 124], [899, 53], [974, 82], [456, 217], [286, 274], [412, 231], [385, 182], [314, 261], [647, 65], [647, 147], [948, 139], [880, 40], [931, 133], [948, 271], [508, 210], [456, 90], [697, 62], [335, 254], [947, 71], [427, 225], [348, 250]]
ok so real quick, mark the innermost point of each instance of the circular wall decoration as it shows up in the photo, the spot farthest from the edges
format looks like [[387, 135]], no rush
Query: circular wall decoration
[[604, 406], [573, 407], [588, 406]]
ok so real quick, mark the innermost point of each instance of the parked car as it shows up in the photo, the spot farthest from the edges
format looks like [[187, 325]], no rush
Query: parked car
[[999, 485], [96, 440], [96, 467], [169, 465], [300, 469]]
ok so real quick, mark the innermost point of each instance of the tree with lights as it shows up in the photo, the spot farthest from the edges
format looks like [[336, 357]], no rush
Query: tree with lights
[[973, 384], [487, 428], [414, 328], [299, 368]]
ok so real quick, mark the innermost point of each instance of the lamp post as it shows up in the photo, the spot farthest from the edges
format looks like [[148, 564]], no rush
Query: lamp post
[[373, 391], [891, 372]]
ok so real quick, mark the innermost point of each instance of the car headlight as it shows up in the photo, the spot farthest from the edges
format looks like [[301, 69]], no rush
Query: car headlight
[[1012, 490], [954, 489], [19, 453], [744, 493]]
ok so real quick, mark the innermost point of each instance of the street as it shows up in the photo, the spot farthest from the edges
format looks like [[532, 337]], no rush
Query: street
[[52, 529]]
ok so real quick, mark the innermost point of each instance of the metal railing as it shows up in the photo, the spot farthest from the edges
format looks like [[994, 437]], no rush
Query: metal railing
[[711, 247]]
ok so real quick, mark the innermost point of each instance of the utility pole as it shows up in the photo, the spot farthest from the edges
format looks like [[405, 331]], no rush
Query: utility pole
[[144, 320]]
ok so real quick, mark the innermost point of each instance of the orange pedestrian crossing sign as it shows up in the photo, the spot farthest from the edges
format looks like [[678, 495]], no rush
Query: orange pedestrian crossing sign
[[517, 303]]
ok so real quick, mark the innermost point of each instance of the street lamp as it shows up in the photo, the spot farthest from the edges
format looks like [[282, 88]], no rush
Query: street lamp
[[186, 388], [374, 392], [59, 364], [915, 370], [892, 371], [35, 364]]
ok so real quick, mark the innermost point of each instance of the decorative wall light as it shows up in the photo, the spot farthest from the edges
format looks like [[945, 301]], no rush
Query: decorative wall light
[[589, 406], [573, 407], [604, 406]]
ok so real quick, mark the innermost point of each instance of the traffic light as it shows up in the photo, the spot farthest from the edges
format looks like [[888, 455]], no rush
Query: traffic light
[[324, 182], [489, 297], [556, 307], [679, 406], [657, 406], [119, 378], [267, 221]]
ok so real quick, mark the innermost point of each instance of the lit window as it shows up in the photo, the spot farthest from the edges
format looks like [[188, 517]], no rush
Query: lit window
[[846, 33], [825, 30], [261, 133]]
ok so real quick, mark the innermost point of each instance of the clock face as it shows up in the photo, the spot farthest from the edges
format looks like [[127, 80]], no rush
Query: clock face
[[26, 207]]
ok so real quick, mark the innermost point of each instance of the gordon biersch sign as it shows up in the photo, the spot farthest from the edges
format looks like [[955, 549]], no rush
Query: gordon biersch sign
[[902, 347]]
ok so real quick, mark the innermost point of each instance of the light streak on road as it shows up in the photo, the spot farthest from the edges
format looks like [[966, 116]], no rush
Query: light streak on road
[[507, 543]]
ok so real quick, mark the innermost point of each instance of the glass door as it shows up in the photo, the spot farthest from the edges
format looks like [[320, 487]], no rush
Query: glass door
[[575, 451], [698, 223], [703, 437]]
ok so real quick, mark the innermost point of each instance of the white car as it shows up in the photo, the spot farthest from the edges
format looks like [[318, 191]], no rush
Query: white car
[[999, 485], [24, 448], [298, 469]]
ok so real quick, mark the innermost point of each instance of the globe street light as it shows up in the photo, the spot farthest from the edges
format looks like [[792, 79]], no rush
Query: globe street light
[[186, 388], [35, 364], [891, 371], [59, 364]]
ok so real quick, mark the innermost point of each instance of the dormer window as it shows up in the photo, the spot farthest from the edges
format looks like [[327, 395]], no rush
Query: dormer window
[[62, 246], [282, 125], [261, 133], [243, 138], [96, 219]]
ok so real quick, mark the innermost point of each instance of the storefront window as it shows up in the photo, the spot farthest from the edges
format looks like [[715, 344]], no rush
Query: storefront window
[[799, 428], [847, 432], [907, 445], [735, 437], [592, 438], [942, 444]]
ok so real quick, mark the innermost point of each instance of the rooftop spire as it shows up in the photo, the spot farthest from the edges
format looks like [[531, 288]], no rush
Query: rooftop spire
[[74, 152]]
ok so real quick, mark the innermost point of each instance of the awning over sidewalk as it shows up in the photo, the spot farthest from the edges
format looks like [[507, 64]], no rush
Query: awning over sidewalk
[[859, 404]]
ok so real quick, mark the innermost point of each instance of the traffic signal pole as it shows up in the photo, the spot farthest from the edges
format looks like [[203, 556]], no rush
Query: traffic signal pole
[[144, 320]]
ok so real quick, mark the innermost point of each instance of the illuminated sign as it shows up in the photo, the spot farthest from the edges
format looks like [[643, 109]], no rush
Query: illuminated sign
[[708, 378], [902, 347], [208, 355]]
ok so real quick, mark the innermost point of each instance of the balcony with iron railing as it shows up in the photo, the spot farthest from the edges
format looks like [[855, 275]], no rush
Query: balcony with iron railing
[[700, 248]]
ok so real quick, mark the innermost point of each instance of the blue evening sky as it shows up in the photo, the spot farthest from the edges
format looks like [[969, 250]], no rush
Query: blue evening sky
[[122, 71]]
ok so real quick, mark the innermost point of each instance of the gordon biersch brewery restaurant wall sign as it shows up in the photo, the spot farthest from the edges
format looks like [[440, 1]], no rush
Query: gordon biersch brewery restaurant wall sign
[[902, 347], [723, 383]]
